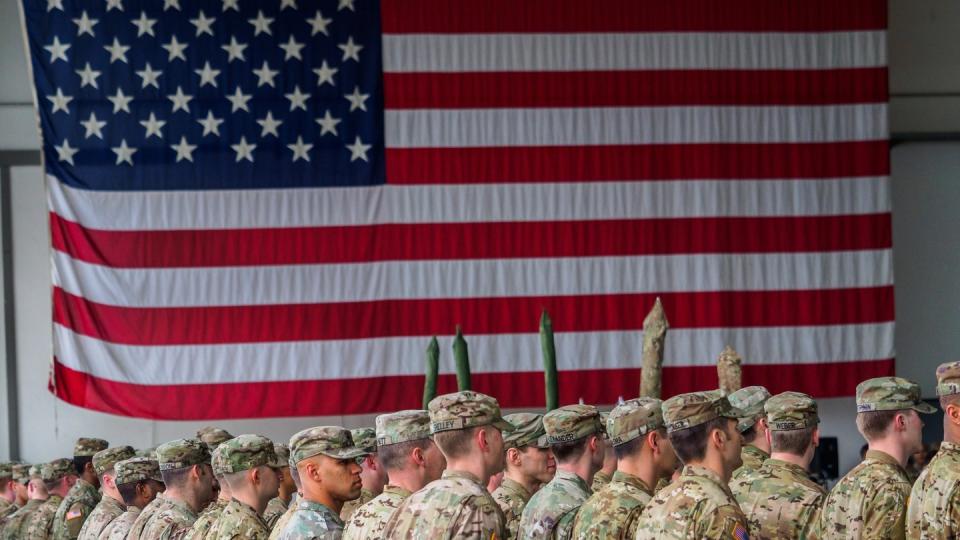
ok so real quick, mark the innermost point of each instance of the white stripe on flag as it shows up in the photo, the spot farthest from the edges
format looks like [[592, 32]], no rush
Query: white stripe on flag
[[312, 360]]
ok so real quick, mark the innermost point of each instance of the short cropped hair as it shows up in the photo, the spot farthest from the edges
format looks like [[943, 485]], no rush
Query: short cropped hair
[[567, 452], [691, 444], [128, 491], [176, 478], [794, 441], [393, 457], [80, 463], [455, 443], [873, 424]]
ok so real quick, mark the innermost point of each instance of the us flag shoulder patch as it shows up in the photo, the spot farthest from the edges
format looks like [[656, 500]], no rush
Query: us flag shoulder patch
[[739, 532]]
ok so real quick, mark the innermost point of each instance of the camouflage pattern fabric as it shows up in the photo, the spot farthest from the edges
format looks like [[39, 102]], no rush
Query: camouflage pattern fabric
[[246, 452], [88, 446], [312, 520], [350, 507], [13, 526], [105, 512], [869, 502], [240, 521], [170, 520], [698, 505], [600, 481], [455, 506], [146, 514], [890, 394], [370, 520], [512, 499], [572, 422], [282, 522], [934, 509], [203, 526], [331, 441], [614, 511], [780, 500], [74, 510], [118, 528], [461, 410], [182, 453], [7, 509], [749, 403], [753, 459], [39, 526], [275, 508], [551, 510]]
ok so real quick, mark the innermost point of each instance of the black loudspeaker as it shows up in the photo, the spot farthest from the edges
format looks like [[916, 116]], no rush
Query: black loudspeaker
[[826, 460]]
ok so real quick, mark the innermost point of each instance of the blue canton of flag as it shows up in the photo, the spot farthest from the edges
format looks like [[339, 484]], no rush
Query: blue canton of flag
[[185, 94]]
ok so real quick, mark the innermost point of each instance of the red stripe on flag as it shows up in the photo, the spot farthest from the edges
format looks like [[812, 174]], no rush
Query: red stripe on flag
[[486, 16], [389, 318], [461, 241], [384, 394], [634, 88], [637, 162]]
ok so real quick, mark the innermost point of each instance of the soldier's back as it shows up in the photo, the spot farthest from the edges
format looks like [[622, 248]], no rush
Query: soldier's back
[[934, 509], [118, 528], [172, 520], [107, 510], [869, 502], [613, 512], [13, 527], [274, 510], [600, 481], [311, 520], [551, 510], [370, 520], [203, 526], [350, 507], [779, 500], [278, 527], [455, 506], [241, 522], [145, 515], [39, 526], [752, 458], [74, 510], [697, 505], [512, 498]]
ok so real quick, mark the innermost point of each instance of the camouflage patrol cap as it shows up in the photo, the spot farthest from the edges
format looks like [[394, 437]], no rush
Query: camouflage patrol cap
[[182, 453], [572, 422], [466, 409], [57, 469], [690, 410], [216, 461], [890, 394], [36, 471], [749, 405], [402, 426], [148, 452], [20, 472], [137, 469], [529, 432], [246, 452], [948, 379], [791, 410], [365, 438], [104, 460], [87, 447], [213, 436], [331, 441], [603, 422], [634, 418], [282, 451], [6, 470]]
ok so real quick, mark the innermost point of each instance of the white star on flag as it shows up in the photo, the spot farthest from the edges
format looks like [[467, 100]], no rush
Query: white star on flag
[[325, 74], [203, 24], [345, 4], [351, 51], [298, 99], [117, 51], [54, 4], [284, 4], [291, 49], [152, 125], [115, 4], [357, 100], [358, 150], [85, 24], [234, 50], [65, 152], [231, 4], [211, 124], [265, 75], [261, 24], [244, 150], [239, 100], [318, 24], [120, 101], [328, 124], [181, 101], [207, 75], [60, 101], [175, 49], [93, 127], [184, 150], [57, 50], [124, 153], [269, 125], [149, 76], [144, 25], [88, 76], [300, 149], [171, 4]]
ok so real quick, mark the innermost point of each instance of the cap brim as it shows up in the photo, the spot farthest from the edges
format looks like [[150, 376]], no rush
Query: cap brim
[[346, 453], [924, 408], [503, 425]]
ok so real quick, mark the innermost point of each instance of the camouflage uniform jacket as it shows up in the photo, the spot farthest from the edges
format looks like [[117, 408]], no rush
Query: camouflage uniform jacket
[[74, 510], [105, 512], [282, 522], [240, 521], [934, 509], [13, 526], [350, 507], [312, 520], [145, 515], [172, 520], [869, 502], [600, 481], [512, 498], [613, 511], [753, 459], [203, 527], [698, 505], [118, 528], [275, 508], [369, 521], [39, 526], [7, 508], [780, 500], [551, 510], [455, 506]]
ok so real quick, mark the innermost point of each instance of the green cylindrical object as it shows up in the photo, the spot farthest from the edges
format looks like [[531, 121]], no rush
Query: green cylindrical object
[[549, 362], [433, 367], [461, 356]]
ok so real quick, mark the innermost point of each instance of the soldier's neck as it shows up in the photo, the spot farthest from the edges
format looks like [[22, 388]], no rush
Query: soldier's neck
[[642, 466], [800, 461], [408, 479], [472, 464], [582, 467], [529, 483]]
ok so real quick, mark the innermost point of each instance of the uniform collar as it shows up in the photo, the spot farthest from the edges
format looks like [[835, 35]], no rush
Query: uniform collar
[[245, 508], [697, 471], [320, 508], [568, 476], [463, 475], [631, 480], [516, 487], [949, 447], [785, 465], [751, 449], [884, 457], [396, 490]]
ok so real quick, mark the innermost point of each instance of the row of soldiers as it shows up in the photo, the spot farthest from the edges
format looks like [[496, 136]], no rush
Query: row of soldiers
[[697, 465]]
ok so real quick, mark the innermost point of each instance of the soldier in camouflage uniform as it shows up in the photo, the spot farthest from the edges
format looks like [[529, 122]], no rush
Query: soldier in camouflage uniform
[[204, 528], [326, 461], [411, 460], [372, 476], [467, 427], [779, 499], [752, 426], [605, 474], [58, 476], [703, 429], [249, 464], [871, 500], [279, 504], [576, 437], [529, 465], [138, 481], [37, 494], [21, 478], [213, 437], [644, 454], [934, 509], [111, 504], [9, 494], [84, 496], [188, 477]]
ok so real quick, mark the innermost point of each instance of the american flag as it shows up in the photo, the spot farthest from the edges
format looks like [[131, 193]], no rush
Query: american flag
[[266, 208]]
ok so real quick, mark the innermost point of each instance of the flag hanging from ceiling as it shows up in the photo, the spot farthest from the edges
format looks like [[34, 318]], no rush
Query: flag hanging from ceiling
[[267, 208]]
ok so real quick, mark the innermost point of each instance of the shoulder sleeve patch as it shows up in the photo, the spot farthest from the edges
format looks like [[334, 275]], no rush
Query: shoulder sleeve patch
[[738, 531]]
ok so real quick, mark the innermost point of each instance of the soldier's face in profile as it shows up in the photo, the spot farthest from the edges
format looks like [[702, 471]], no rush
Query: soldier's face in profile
[[538, 463], [340, 477], [205, 483], [914, 431], [434, 462], [731, 450]]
